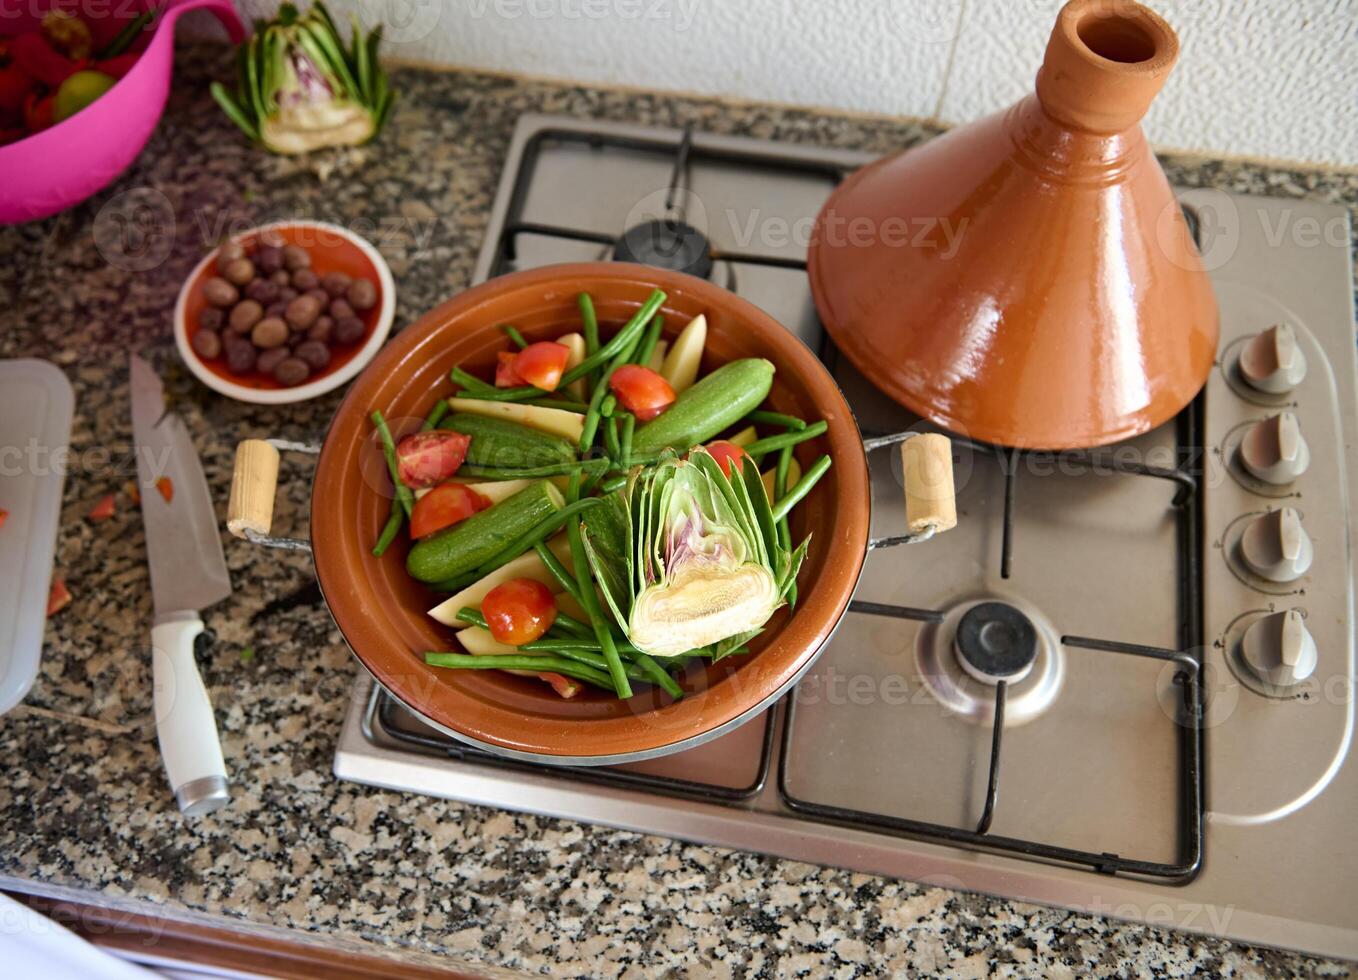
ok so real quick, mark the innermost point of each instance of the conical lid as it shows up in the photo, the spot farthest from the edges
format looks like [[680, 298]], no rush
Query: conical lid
[[1028, 279]]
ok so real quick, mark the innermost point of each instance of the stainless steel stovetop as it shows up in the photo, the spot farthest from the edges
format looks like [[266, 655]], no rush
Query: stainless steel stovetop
[[1142, 769]]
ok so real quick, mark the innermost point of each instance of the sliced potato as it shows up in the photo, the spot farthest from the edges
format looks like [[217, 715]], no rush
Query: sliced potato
[[657, 360], [575, 343], [567, 425], [794, 473], [479, 643], [567, 604], [492, 490], [685, 355], [744, 437], [527, 565]]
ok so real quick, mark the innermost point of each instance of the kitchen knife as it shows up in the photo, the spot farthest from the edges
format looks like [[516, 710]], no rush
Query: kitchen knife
[[188, 573]]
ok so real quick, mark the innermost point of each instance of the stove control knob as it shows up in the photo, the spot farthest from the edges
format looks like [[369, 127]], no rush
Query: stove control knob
[[1276, 547], [1274, 451], [1279, 649], [1272, 362]]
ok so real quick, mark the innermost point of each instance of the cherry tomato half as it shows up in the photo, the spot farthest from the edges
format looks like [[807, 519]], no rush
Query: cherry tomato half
[[728, 455], [444, 506], [506, 371], [426, 458], [542, 364], [519, 611], [642, 392]]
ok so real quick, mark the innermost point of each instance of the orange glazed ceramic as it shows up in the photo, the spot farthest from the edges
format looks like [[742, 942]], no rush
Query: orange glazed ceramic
[[1028, 280]]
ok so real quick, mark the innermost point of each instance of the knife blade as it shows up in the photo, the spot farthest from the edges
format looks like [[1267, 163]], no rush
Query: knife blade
[[188, 574]]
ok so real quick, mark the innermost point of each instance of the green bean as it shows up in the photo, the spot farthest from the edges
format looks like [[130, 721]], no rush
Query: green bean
[[613, 483], [770, 443], [591, 601], [568, 621], [403, 494], [512, 332], [561, 403], [625, 338], [601, 389], [389, 530], [629, 424], [607, 406], [472, 383], [559, 571], [538, 664], [125, 37], [611, 444], [794, 496], [533, 472], [592, 482], [591, 326], [657, 675], [649, 340], [784, 531], [762, 417]]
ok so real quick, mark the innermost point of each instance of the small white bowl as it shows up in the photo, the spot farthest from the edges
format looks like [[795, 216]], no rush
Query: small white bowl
[[386, 311]]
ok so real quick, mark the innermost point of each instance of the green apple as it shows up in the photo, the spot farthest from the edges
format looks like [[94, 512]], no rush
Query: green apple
[[78, 91]]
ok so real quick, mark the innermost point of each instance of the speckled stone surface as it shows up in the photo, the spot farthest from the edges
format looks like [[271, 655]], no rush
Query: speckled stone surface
[[83, 801]]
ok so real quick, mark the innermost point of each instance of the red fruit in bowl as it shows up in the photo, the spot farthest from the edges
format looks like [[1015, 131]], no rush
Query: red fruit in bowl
[[33, 54], [37, 112], [15, 84]]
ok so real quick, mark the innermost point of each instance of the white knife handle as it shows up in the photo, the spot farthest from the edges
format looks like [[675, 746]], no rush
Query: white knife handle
[[184, 722]]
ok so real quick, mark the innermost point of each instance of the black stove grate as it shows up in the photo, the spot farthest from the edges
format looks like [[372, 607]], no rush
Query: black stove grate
[[1187, 504]]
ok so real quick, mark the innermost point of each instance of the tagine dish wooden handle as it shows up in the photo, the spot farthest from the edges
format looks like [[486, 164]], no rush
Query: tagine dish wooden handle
[[926, 461], [253, 482]]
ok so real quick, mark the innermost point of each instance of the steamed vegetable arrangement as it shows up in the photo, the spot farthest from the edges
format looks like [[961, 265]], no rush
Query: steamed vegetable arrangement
[[584, 514]]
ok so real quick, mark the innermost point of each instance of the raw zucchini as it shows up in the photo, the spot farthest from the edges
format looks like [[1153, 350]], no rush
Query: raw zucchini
[[468, 545], [508, 445], [714, 403]]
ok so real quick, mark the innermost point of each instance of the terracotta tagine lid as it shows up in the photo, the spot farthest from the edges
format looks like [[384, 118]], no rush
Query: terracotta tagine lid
[[1028, 279]]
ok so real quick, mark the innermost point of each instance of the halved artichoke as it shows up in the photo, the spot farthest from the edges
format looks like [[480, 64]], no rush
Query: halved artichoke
[[299, 89], [688, 558]]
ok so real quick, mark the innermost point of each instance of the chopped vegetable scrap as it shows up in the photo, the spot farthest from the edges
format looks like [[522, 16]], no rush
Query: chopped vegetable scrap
[[165, 486], [58, 596], [104, 509]]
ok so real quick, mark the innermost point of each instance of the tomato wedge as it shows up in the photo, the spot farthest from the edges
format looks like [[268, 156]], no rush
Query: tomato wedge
[[427, 458], [542, 364], [561, 684], [728, 455], [506, 372], [103, 510], [58, 596], [642, 391], [444, 506], [519, 611]]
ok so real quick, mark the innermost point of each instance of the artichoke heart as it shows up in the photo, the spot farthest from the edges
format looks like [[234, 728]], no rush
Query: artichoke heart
[[703, 603], [300, 88], [688, 557]]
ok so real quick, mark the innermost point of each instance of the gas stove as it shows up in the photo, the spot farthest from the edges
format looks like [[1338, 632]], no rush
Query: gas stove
[[1123, 683]]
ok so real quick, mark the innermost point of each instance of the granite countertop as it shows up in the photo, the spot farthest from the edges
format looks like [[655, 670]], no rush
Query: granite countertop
[[84, 808]]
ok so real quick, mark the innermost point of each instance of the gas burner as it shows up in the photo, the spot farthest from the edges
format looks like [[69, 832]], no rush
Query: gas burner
[[667, 244], [982, 642], [995, 642]]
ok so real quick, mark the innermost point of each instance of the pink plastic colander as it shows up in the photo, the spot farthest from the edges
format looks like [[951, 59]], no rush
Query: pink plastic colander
[[66, 163]]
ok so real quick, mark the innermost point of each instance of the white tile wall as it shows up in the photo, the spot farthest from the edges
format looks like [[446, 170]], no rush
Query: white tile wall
[[1271, 78]]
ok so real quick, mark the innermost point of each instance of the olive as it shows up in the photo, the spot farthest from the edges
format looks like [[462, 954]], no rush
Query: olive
[[240, 272], [302, 312], [207, 344], [305, 279], [229, 253], [322, 329], [287, 294], [321, 297], [263, 290], [272, 237], [269, 258], [245, 314], [276, 308], [340, 308], [291, 371], [315, 353], [240, 354], [211, 318], [335, 283], [349, 330], [295, 257], [219, 292], [362, 294], [281, 277], [269, 332], [269, 359]]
